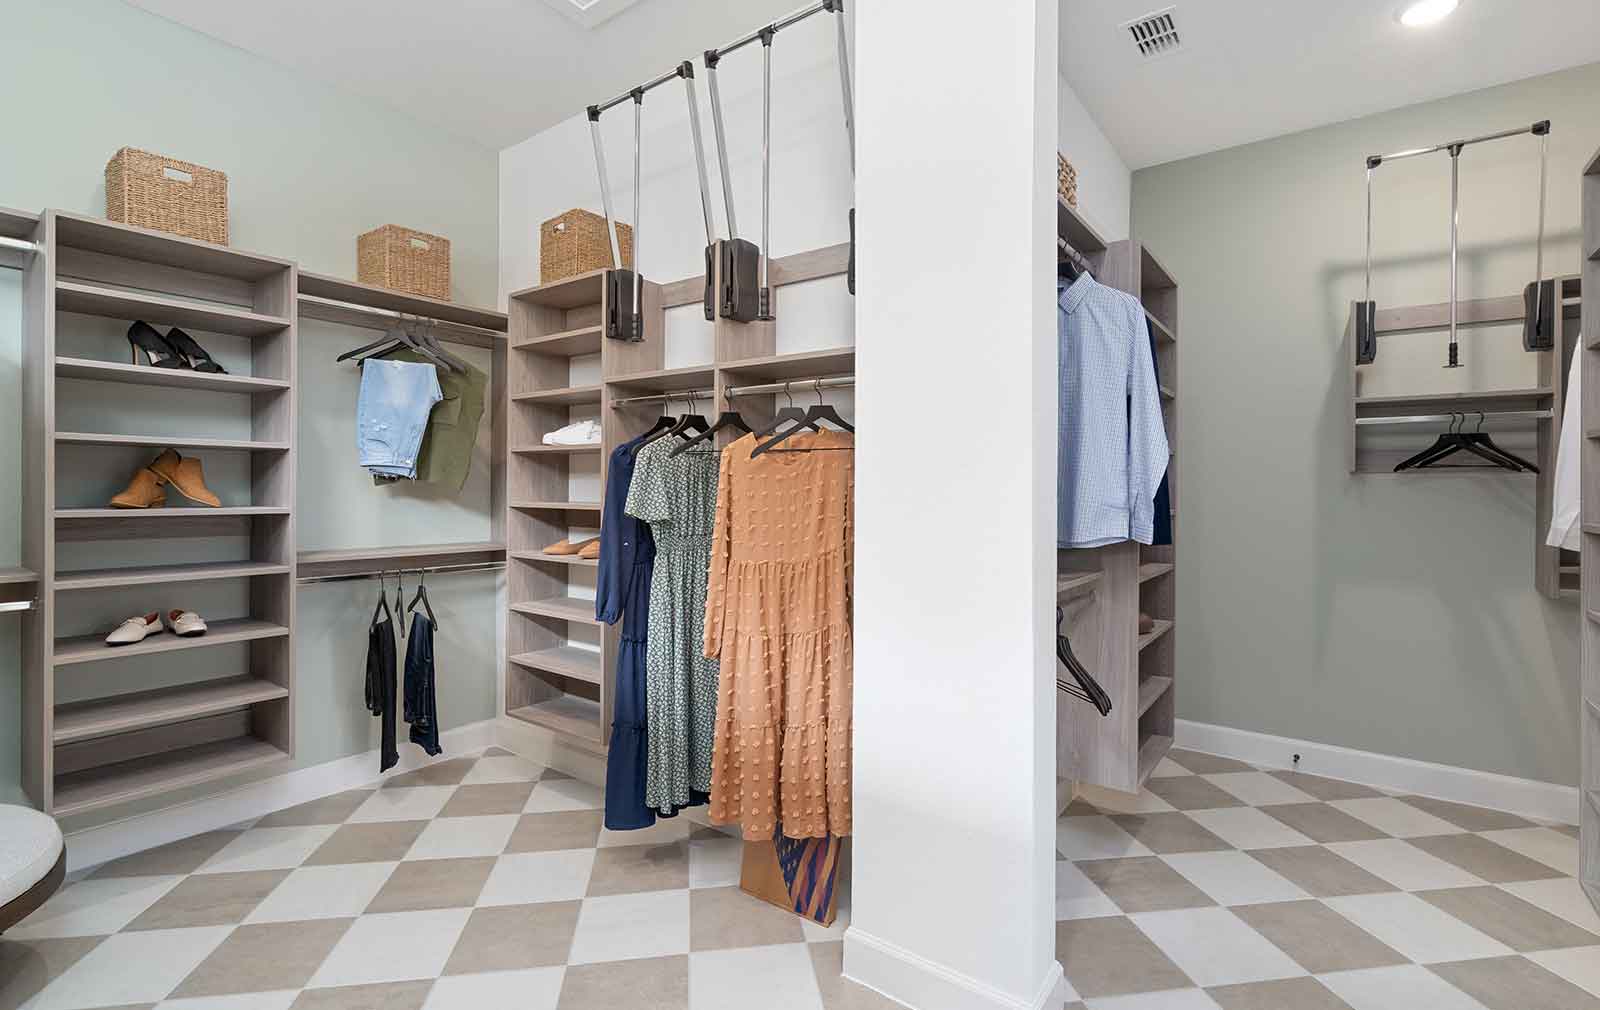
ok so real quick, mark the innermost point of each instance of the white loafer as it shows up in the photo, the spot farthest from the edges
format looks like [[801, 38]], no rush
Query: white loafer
[[185, 623], [135, 629]]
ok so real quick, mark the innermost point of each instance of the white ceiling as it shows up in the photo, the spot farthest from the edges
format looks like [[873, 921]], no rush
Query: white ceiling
[[1250, 69], [494, 71]]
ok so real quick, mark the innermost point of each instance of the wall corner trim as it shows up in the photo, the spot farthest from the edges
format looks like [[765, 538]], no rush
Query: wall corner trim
[[1545, 801], [915, 981]]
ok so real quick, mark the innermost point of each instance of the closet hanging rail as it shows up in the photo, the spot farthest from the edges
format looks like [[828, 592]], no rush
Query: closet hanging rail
[[15, 606], [1493, 415], [19, 245], [487, 566], [390, 315], [838, 382]]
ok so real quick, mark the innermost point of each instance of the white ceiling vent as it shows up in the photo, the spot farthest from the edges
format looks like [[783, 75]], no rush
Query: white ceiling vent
[[591, 13], [1156, 34]]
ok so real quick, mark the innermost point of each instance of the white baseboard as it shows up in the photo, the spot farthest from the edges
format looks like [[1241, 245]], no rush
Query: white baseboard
[[914, 981], [115, 839], [544, 748], [1528, 798]]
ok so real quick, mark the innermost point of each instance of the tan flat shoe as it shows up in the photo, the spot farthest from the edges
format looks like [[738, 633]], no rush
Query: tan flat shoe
[[1147, 623], [143, 491], [187, 476], [566, 548], [591, 550]]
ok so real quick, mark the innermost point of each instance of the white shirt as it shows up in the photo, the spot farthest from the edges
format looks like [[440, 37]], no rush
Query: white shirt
[[1566, 510]]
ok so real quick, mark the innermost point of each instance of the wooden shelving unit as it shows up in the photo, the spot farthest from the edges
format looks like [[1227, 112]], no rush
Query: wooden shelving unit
[[122, 744], [1589, 783]]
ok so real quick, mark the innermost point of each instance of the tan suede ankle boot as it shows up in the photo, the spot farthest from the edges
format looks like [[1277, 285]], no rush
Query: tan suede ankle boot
[[143, 491], [187, 476]]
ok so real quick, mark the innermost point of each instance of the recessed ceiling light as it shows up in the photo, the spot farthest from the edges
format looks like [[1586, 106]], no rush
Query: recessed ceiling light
[[1427, 12]]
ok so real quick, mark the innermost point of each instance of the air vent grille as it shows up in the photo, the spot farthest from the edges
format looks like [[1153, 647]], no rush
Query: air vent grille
[[1156, 34]]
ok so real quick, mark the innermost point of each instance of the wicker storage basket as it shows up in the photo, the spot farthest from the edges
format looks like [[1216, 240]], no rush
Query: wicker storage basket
[[403, 259], [168, 195], [575, 243], [1066, 180]]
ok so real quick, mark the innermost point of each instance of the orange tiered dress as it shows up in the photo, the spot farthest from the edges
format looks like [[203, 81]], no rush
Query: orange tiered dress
[[778, 619]]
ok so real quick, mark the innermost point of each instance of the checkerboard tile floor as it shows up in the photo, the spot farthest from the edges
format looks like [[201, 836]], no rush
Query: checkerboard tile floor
[[479, 883], [1223, 886]]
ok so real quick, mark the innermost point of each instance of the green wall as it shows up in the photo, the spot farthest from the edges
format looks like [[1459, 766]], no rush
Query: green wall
[[1389, 614], [309, 169]]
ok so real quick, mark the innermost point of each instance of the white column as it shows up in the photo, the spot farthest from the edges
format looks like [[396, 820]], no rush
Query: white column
[[954, 868]]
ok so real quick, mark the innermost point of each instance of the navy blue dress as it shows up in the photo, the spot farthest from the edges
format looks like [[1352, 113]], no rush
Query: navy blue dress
[[1163, 500], [627, 559]]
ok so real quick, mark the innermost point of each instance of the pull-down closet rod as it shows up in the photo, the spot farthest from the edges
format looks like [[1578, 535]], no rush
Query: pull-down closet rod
[[776, 26]]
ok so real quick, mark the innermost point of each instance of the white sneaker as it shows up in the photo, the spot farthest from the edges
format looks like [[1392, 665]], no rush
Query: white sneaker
[[135, 629], [185, 623]]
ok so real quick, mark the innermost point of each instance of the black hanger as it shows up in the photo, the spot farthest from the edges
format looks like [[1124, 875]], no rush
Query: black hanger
[[728, 419], [783, 416], [422, 598], [388, 341], [1478, 443], [1482, 438], [383, 601], [1083, 685], [822, 411], [399, 600], [689, 421], [663, 424]]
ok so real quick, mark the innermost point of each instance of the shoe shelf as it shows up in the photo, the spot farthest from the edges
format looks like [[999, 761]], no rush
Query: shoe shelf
[[822, 364], [539, 557], [121, 734], [1150, 637], [565, 344], [561, 608], [565, 661], [554, 450], [566, 395]]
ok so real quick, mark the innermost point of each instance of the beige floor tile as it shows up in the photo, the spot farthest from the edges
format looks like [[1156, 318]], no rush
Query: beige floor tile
[[1169, 832], [721, 918], [1515, 983], [377, 842], [629, 869], [1570, 830], [1143, 884], [485, 800], [566, 829], [183, 856], [209, 899], [1323, 823], [1321, 873], [1578, 965], [433, 883], [1111, 957], [1206, 764], [385, 996], [1191, 792], [1319, 939], [1509, 919], [1326, 789], [1465, 817], [513, 937], [1281, 994], [437, 773], [1483, 858], [328, 810], [262, 958], [839, 993], [27, 966], [660, 983]]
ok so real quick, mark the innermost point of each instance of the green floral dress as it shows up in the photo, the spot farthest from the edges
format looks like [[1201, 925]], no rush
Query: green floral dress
[[677, 496]]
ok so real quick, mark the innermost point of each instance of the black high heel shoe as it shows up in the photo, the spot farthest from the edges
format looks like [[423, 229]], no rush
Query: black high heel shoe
[[159, 353], [196, 355]]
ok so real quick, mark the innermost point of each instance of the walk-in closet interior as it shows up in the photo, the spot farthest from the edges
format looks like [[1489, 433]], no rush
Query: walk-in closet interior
[[440, 568]]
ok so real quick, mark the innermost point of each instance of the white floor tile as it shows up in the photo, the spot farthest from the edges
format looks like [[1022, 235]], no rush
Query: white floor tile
[[1113, 802], [393, 947], [1258, 788], [1392, 817], [1404, 865], [1171, 999], [403, 803], [1418, 930], [563, 794], [1167, 769], [664, 831], [280, 1000], [1232, 878], [626, 926], [530, 989], [460, 837], [1562, 896], [1095, 838], [1578, 965], [142, 967], [268, 849], [816, 932], [1248, 828], [1552, 848], [779, 977], [505, 768], [715, 862], [1077, 897], [323, 892], [1403, 987], [1215, 947], [93, 907], [524, 878]]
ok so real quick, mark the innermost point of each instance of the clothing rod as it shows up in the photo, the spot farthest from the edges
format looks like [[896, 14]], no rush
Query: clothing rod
[[486, 566], [20, 245], [16, 606], [1540, 128], [776, 26], [372, 310], [682, 394], [792, 386], [1492, 415], [673, 74]]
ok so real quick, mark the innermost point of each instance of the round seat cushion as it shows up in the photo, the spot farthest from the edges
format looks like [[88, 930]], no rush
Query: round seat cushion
[[30, 844]]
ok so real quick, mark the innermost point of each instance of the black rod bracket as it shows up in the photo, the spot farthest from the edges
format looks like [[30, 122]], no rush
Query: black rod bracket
[[594, 113]]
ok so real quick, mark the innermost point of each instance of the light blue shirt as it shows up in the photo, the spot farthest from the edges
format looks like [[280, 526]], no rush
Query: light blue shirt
[[1111, 444]]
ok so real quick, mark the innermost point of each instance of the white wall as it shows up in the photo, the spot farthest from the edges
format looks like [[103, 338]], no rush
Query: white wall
[[1105, 186]]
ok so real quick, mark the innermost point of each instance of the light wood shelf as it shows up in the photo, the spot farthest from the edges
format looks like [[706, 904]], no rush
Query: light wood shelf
[[564, 661], [363, 560], [539, 557], [326, 287], [157, 575], [1079, 233], [14, 576], [169, 441], [569, 716], [123, 782], [94, 300], [1154, 570], [556, 506], [86, 720], [179, 378], [1163, 331], [664, 380], [1150, 637], [826, 363], [174, 512], [540, 449], [93, 648], [159, 248], [1476, 396], [1070, 585], [1167, 393], [571, 293], [563, 608], [565, 344], [566, 396], [1151, 690]]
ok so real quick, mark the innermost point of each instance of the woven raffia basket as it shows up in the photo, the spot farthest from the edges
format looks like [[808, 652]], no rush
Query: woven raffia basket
[[1066, 181], [575, 243], [166, 194], [403, 259]]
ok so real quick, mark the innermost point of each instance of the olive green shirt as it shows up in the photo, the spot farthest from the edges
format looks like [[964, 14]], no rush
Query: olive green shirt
[[447, 444]]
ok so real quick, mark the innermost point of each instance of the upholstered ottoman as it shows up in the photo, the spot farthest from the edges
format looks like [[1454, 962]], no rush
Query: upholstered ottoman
[[32, 862]]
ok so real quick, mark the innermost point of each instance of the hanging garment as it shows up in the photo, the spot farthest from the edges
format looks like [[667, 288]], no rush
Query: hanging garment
[[445, 457], [577, 433], [627, 559], [677, 496], [1566, 506], [1112, 446], [421, 700], [778, 618], [1161, 535], [380, 684], [392, 413]]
